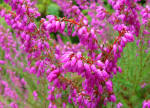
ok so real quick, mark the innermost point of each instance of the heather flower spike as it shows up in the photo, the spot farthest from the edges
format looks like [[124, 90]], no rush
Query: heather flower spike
[[35, 58]]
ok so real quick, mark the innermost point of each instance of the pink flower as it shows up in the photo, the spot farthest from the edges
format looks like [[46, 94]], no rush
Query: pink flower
[[2, 62], [146, 104], [119, 105], [35, 95]]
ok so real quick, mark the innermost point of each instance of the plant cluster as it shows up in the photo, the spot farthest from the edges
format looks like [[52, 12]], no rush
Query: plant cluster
[[80, 74]]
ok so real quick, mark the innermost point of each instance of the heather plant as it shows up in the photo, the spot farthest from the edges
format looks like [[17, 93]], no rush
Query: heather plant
[[41, 67]]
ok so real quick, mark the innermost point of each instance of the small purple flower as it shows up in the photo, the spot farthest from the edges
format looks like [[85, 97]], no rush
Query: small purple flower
[[101, 14], [2, 62], [109, 86], [13, 105], [79, 63], [64, 105], [143, 85], [62, 26], [112, 98], [129, 37], [119, 105], [146, 104], [73, 61], [35, 95]]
